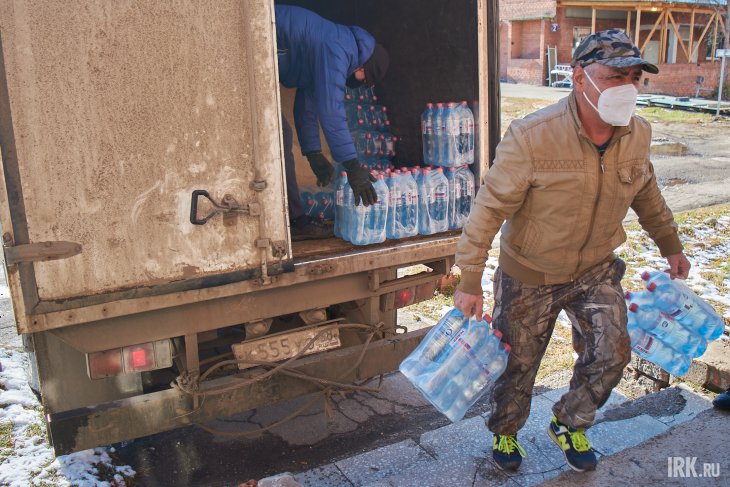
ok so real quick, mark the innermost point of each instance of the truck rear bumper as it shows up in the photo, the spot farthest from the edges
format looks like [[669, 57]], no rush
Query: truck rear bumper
[[126, 419]]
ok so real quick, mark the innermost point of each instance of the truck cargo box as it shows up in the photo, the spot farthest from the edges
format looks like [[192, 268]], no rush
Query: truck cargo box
[[121, 124]]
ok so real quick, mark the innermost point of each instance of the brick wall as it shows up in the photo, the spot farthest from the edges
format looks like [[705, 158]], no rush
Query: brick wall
[[529, 39], [521, 9], [681, 79], [528, 71]]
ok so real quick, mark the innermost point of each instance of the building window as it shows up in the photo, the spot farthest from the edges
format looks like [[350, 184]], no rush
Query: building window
[[579, 33]]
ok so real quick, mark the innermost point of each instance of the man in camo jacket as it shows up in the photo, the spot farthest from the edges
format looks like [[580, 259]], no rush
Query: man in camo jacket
[[562, 182]]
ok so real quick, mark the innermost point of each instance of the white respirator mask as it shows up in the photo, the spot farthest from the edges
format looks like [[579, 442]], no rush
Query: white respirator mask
[[616, 104]]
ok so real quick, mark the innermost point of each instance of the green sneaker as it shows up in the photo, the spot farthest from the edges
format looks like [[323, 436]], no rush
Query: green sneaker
[[574, 444], [507, 453]]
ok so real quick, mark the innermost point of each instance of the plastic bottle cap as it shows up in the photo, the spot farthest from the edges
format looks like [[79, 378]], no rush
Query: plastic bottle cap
[[343, 173], [383, 108], [429, 105], [645, 275], [507, 347], [498, 334], [633, 307], [627, 295], [359, 107], [651, 286], [393, 138]]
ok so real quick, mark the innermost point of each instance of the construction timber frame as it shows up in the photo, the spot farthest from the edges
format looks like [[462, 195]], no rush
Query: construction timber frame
[[665, 20]]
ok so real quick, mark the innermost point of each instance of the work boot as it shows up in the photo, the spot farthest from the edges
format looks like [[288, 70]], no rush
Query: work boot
[[306, 228], [722, 401], [574, 445], [506, 452]]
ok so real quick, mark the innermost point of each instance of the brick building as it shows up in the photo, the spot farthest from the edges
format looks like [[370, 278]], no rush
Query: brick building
[[681, 37]]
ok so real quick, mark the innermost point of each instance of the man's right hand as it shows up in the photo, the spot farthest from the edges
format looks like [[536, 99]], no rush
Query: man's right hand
[[469, 304], [361, 182]]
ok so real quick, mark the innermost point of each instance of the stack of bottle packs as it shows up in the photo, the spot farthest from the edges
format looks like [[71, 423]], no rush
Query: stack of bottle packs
[[456, 363], [669, 324], [447, 130], [370, 128], [411, 201]]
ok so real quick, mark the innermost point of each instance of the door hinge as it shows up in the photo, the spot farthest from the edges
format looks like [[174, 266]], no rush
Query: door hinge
[[39, 251]]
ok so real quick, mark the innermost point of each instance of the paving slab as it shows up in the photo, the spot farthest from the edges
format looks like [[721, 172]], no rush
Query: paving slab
[[452, 471], [466, 438], [376, 465], [325, 476], [613, 436]]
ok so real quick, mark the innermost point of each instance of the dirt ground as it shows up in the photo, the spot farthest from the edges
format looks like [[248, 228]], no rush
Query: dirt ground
[[690, 151]]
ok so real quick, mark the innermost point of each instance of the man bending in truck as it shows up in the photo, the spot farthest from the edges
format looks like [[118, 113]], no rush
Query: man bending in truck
[[562, 182], [319, 58]]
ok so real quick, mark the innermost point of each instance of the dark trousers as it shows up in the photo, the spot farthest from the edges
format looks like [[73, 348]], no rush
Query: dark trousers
[[526, 315], [292, 188]]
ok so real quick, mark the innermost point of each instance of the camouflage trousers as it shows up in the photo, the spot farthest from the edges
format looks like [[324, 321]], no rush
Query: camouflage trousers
[[526, 315]]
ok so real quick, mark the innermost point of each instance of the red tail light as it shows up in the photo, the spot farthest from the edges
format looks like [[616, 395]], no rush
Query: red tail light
[[135, 358]]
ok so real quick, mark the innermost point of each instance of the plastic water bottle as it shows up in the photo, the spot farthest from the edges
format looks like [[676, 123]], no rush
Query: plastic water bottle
[[431, 351], [377, 213], [440, 201], [467, 191], [395, 205], [666, 329], [476, 378], [340, 184], [427, 133], [452, 156], [325, 206], [384, 120], [466, 137], [409, 220], [440, 147], [373, 118], [454, 192], [311, 208], [652, 349], [424, 199], [675, 298]]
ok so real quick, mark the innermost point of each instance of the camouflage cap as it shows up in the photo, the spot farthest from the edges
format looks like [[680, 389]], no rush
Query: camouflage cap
[[611, 48]]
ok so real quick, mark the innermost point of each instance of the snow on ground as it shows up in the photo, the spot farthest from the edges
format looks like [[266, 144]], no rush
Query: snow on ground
[[26, 459]]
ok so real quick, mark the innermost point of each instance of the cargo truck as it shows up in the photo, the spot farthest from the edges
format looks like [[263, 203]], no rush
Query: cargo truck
[[144, 217]]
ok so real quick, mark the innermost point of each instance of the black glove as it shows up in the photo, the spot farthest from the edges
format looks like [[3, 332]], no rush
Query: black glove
[[361, 182], [321, 167]]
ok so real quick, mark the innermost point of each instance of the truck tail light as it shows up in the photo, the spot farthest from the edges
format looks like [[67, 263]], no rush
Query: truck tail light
[[135, 358], [407, 296]]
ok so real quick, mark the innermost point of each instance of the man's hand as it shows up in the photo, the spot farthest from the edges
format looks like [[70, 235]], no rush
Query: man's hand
[[361, 182], [321, 167], [469, 304], [678, 266]]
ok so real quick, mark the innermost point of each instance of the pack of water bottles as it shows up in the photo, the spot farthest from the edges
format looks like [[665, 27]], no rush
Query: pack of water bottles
[[318, 204], [370, 128], [448, 133], [456, 363], [411, 201], [669, 324]]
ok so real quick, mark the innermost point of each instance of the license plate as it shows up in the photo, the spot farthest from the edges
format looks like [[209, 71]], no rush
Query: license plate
[[285, 345]]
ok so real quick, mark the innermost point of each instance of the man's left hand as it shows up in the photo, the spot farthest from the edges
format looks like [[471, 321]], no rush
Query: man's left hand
[[678, 266], [321, 167]]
